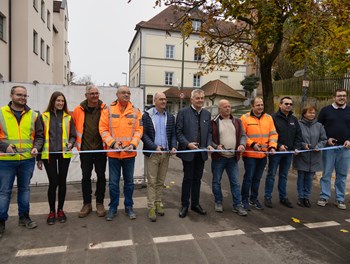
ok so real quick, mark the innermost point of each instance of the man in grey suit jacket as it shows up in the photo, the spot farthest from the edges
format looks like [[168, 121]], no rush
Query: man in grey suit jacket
[[193, 132]]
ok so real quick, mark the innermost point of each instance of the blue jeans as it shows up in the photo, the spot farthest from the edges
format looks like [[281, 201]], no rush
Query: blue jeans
[[217, 168], [304, 184], [115, 167], [254, 169], [283, 161], [339, 160], [9, 169]]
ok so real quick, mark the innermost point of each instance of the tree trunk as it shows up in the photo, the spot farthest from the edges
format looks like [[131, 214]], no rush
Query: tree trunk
[[266, 82]]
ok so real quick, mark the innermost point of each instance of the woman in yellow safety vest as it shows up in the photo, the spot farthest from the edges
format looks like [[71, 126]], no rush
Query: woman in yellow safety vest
[[59, 134]]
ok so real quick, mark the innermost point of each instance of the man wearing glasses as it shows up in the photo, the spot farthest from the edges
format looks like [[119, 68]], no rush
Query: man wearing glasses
[[86, 118], [289, 139], [121, 129], [336, 121], [21, 135]]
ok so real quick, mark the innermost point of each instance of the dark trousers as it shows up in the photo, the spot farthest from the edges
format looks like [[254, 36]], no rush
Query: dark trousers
[[87, 162], [191, 183], [56, 168]]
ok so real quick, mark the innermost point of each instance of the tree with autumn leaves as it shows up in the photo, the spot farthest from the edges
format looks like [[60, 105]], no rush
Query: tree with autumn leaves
[[312, 30]]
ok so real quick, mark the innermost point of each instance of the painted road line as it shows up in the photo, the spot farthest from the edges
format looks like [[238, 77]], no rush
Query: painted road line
[[72, 206], [347, 220], [322, 224], [111, 244], [277, 229], [172, 238], [41, 251], [226, 233]]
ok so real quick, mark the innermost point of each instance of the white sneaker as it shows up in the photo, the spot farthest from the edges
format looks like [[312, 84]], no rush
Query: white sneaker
[[322, 202], [219, 208], [341, 205]]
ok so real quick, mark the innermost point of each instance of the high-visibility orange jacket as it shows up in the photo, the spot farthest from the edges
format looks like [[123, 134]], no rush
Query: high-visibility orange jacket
[[117, 127], [259, 131], [79, 119]]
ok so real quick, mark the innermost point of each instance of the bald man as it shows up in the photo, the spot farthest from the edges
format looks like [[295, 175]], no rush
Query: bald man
[[230, 138], [159, 136]]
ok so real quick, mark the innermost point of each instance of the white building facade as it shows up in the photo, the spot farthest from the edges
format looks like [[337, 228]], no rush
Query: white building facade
[[158, 58], [33, 41]]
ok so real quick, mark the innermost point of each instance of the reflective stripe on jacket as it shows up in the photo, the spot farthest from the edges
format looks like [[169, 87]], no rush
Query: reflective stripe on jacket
[[259, 131], [21, 135], [65, 135], [117, 127], [79, 119]]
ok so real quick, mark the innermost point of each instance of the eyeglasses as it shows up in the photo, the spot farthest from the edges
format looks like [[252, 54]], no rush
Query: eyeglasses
[[341, 96], [93, 94], [288, 104], [22, 95], [125, 92]]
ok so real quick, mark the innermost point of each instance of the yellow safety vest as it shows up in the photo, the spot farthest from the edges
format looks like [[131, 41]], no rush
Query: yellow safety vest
[[65, 135], [21, 135]]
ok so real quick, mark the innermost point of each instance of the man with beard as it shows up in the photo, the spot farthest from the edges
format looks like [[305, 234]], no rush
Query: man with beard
[[336, 120]]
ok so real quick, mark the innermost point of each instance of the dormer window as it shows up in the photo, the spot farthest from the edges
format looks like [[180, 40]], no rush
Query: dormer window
[[196, 25]]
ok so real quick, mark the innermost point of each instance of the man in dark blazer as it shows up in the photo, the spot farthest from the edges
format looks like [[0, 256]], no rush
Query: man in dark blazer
[[193, 132]]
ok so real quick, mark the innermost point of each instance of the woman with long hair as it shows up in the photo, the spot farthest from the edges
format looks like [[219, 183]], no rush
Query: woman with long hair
[[59, 134]]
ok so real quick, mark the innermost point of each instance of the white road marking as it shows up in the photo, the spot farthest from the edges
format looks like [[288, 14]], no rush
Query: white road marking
[[172, 238], [41, 251], [72, 206], [277, 228], [321, 224], [226, 233], [347, 220], [111, 244]]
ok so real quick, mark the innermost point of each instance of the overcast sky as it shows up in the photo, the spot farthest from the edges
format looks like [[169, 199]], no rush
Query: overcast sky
[[100, 33]]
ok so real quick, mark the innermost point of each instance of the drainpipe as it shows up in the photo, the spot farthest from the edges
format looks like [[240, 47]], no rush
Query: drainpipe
[[10, 41]]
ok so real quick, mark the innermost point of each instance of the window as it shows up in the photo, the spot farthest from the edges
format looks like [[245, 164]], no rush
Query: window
[[149, 99], [43, 10], [196, 80], [2, 26], [48, 55], [42, 49], [35, 5], [48, 17], [197, 54], [169, 51], [65, 22], [65, 72], [35, 42], [65, 47], [196, 25], [169, 78]]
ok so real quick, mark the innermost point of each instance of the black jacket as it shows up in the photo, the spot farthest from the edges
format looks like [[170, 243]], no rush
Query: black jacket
[[288, 129]]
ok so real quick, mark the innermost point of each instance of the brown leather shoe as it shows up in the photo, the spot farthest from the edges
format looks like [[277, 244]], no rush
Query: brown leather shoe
[[100, 210], [85, 210]]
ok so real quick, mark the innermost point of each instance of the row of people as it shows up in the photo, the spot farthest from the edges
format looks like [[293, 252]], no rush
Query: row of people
[[258, 136], [95, 127]]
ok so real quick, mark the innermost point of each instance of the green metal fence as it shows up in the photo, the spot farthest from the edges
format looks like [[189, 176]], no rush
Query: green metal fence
[[318, 88]]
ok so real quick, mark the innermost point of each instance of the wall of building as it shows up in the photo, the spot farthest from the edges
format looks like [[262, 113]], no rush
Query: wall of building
[[4, 45]]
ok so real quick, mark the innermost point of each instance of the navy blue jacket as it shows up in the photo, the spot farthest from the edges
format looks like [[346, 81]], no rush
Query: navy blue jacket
[[288, 130], [186, 131], [149, 133]]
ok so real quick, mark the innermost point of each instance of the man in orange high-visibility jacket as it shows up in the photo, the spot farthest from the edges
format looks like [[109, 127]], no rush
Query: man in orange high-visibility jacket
[[261, 137], [86, 118], [121, 129]]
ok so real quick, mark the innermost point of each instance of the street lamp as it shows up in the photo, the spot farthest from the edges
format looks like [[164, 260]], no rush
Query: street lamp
[[126, 78]]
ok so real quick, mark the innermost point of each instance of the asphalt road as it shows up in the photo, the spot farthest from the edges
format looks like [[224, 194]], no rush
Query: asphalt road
[[277, 235]]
